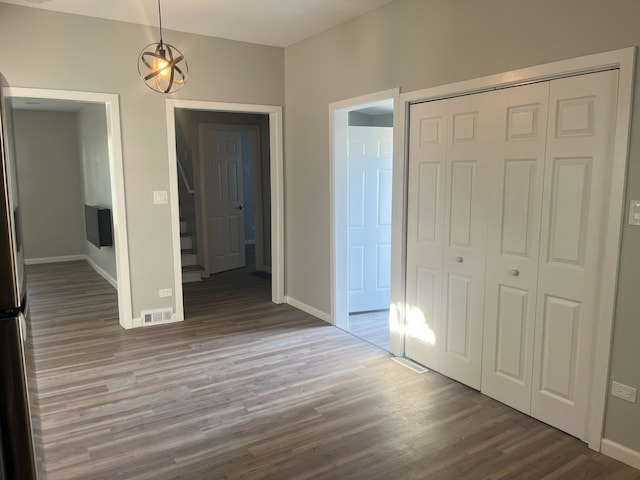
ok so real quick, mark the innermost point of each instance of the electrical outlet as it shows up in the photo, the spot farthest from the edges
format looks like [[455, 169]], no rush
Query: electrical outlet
[[624, 392], [165, 292]]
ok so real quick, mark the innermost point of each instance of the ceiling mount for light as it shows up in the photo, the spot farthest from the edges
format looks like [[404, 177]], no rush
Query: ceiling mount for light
[[162, 67]]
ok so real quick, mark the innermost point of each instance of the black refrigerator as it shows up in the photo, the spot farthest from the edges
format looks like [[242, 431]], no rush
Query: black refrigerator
[[18, 390]]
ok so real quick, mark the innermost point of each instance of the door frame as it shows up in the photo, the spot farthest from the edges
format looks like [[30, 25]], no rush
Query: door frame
[[277, 188], [200, 196], [116, 170], [339, 249], [624, 61]]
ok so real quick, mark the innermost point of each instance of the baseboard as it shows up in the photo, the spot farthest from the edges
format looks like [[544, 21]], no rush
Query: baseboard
[[620, 452], [42, 260], [308, 309], [100, 271]]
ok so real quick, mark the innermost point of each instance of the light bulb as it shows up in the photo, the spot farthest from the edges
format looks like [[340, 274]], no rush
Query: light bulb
[[162, 66]]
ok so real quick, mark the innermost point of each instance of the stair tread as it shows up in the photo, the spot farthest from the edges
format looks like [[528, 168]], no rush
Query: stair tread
[[192, 268], [188, 251]]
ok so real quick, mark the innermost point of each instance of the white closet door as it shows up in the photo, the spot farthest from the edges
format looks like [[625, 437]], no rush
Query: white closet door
[[577, 178], [517, 168], [425, 231], [465, 227]]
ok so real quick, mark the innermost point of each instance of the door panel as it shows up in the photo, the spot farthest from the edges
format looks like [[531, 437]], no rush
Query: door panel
[[222, 164], [560, 326], [511, 341], [458, 315], [571, 185], [577, 177], [464, 254], [369, 235], [520, 199], [460, 203], [425, 231], [517, 169]]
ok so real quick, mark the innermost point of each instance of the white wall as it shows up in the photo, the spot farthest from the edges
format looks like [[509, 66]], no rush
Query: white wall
[[69, 52], [415, 44], [49, 183], [96, 181]]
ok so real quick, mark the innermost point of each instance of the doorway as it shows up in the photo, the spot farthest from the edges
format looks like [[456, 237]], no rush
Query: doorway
[[227, 118], [362, 151], [99, 139], [224, 192]]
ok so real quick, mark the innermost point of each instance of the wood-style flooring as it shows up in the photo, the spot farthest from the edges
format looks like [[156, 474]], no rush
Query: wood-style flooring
[[372, 327], [245, 389]]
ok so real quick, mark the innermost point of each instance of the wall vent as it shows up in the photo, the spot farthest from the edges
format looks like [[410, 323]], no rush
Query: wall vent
[[156, 316]]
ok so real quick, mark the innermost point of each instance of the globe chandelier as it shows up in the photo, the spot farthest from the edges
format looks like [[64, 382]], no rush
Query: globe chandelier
[[161, 65]]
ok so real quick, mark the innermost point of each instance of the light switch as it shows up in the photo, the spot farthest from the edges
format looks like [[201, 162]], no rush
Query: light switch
[[634, 212], [160, 197]]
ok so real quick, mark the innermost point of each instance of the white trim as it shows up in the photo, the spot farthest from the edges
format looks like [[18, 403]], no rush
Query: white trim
[[611, 250], [63, 259], [325, 317], [398, 228], [102, 272], [624, 60], [621, 453], [118, 208], [338, 198], [277, 189]]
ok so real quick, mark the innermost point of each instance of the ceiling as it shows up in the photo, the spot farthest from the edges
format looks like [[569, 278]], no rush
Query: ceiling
[[278, 23]]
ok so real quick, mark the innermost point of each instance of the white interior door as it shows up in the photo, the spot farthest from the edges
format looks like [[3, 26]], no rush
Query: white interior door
[[425, 231], [222, 161], [370, 164], [577, 177], [518, 153], [465, 227]]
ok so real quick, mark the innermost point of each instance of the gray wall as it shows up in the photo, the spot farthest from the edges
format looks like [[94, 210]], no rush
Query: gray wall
[[49, 182], [96, 181], [415, 44], [101, 56]]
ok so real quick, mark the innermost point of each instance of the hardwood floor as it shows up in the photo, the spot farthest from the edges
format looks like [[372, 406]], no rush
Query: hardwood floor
[[245, 389], [372, 327]]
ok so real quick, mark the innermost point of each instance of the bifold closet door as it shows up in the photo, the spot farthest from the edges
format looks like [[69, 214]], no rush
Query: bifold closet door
[[517, 172], [581, 127], [425, 231], [465, 230], [446, 235]]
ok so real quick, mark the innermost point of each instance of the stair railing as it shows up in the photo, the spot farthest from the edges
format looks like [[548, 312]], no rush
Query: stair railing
[[183, 175]]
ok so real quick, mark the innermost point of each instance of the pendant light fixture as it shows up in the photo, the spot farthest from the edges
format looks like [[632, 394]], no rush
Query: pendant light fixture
[[162, 67]]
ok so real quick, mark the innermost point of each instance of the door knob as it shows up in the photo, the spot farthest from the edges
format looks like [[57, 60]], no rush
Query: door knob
[[241, 207], [514, 272], [459, 259]]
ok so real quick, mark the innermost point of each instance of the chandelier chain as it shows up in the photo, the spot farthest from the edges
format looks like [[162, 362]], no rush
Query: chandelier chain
[[160, 18]]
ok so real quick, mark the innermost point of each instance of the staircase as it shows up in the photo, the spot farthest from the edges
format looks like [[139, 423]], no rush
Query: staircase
[[191, 271]]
